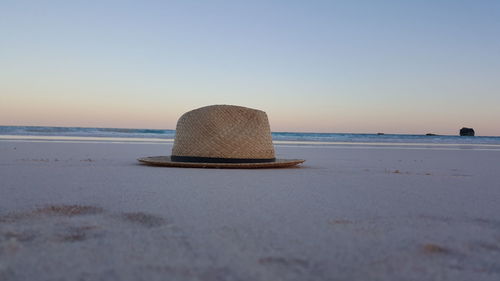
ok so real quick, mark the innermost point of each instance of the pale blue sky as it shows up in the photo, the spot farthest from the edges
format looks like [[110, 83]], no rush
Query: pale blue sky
[[329, 66]]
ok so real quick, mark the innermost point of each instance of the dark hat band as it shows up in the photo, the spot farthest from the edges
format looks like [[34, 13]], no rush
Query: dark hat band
[[194, 159]]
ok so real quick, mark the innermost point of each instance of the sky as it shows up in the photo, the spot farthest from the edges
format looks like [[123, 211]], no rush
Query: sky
[[314, 66]]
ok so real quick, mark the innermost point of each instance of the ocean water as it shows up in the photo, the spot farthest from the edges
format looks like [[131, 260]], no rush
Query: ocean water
[[19, 132]]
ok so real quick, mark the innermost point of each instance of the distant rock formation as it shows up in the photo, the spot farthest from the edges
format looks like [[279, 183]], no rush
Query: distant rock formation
[[430, 134], [380, 134], [467, 132]]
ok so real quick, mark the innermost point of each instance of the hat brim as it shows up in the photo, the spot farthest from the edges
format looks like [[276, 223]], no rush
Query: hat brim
[[166, 161]]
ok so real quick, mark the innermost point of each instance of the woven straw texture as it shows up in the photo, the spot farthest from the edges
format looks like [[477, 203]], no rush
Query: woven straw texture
[[224, 131], [165, 161]]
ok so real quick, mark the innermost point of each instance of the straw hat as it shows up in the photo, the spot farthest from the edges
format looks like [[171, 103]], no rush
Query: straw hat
[[222, 136]]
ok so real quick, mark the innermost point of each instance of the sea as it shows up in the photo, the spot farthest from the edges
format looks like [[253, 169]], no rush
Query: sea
[[84, 134]]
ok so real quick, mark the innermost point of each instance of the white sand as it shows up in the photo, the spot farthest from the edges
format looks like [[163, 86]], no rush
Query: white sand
[[347, 214]]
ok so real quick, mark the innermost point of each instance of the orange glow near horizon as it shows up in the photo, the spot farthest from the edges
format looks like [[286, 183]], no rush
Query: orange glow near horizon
[[162, 117]]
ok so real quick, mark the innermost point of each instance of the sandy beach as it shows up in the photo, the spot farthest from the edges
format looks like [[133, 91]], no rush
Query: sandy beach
[[90, 211]]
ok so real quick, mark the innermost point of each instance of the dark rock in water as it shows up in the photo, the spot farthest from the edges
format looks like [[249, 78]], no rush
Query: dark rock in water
[[430, 134], [467, 132], [380, 134]]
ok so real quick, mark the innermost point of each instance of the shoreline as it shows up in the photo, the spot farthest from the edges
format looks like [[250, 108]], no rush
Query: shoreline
[[317, 144]]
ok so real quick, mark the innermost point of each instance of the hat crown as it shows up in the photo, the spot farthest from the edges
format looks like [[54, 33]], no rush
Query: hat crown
[[224, 131]]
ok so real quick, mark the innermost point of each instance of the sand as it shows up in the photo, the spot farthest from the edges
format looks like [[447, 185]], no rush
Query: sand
[[89, 211]]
